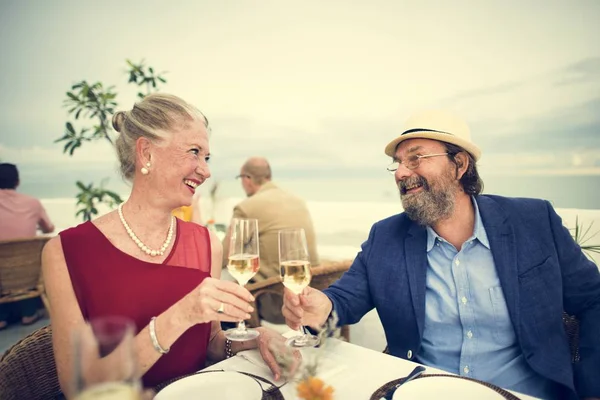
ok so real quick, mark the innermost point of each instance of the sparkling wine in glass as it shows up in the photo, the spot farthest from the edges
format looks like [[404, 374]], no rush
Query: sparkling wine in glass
[[296, 273], [105, 364], [243, 263]]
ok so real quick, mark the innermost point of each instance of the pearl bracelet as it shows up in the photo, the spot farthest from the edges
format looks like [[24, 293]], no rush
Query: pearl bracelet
[[228, 351], [157, 346]]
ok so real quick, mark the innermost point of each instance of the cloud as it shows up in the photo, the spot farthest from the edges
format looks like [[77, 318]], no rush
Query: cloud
[[586, 70], [533, 96], [486, 91], [319, 90], [569, 128], [89, 154], [585, 162]]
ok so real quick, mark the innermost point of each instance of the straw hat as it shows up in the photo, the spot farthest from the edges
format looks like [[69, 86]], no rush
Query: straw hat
[[437, 125]]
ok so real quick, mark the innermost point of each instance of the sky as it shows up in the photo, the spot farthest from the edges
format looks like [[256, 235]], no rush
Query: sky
[[319, 88]]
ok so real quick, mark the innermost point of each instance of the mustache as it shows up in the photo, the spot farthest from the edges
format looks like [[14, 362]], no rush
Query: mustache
[[417, 180]]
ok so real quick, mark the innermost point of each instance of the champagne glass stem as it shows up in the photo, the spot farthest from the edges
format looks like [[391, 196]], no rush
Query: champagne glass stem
[[241, 327], [303, 338]]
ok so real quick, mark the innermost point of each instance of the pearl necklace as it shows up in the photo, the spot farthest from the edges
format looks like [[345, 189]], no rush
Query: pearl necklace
[[141, 245]]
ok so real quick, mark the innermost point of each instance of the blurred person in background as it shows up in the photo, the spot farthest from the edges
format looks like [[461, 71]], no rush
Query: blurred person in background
[[20, 218], [20, 215], [191, 213], [275, 209]]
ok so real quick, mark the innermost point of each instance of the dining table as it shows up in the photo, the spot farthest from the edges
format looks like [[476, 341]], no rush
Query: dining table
[[353, 371]]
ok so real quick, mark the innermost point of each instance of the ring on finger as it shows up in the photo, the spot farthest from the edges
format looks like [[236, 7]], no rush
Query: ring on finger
[[221, 308]]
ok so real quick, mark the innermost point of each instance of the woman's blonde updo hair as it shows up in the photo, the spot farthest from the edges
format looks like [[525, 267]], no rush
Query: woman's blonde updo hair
[[152, 118]]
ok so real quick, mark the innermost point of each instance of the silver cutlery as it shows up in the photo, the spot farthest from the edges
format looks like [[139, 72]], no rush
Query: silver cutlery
[[415, 372]]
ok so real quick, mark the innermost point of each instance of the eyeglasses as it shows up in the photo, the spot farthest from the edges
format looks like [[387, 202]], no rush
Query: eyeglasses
[[243, 176], [411, 162]]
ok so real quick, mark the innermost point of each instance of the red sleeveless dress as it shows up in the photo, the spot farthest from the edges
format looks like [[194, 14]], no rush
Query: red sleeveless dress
[[109, 282]]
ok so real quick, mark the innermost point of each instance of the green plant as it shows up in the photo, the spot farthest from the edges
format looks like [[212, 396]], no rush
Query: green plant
[[94, 104], [89, 196], [142, 76], [89, 101], [582, 236]]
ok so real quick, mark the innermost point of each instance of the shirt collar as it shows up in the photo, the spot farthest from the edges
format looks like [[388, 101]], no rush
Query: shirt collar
[[266, 186], [478, 231], [431, 238]]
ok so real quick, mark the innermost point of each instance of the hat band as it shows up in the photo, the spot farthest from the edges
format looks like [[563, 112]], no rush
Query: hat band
[[425, 130]]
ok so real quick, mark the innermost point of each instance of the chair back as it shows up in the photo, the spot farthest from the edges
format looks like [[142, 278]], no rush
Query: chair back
[[28, 370], [322, 277], [20, 268], [326, 274]]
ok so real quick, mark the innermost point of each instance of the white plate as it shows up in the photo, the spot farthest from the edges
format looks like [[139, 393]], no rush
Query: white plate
[[442, 387], [212, 385]]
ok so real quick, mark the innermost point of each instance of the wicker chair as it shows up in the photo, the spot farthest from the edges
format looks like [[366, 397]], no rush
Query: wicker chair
[[322, 277], [20, 269], [27, 369]]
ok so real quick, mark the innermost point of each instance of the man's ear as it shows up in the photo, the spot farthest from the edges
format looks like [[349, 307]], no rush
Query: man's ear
[[143, 149], [462, 163]]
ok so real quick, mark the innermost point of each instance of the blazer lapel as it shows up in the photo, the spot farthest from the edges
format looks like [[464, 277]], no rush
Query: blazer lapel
[[504, 250], [415, 251]]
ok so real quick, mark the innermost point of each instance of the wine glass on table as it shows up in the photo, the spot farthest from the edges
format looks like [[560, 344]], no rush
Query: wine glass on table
[[296, 274], [105, 364], [243, 263]]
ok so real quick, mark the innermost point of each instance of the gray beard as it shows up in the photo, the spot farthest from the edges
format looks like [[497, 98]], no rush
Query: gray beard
[[429, 206]]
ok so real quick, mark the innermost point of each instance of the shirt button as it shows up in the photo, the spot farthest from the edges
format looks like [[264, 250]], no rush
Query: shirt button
[[457, 262], [464, 300], [409, 354], [437, 244], [466, 369], [469, 334]]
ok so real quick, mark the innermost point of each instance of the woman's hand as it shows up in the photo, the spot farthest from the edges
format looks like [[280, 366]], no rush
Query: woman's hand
[[216, 300], [272, 346]]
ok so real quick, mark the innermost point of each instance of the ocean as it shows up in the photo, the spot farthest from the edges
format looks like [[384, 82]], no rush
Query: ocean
[[343, 211], [566, 191], [343, 208]]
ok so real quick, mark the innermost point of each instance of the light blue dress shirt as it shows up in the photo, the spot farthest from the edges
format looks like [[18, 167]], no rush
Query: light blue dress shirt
[[468, 330]]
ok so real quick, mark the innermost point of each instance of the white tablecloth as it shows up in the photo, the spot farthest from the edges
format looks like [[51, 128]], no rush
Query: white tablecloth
[[355, 372]]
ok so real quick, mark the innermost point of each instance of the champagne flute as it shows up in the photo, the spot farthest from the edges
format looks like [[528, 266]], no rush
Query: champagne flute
[[105, 364], [296, 273], [243, 264]]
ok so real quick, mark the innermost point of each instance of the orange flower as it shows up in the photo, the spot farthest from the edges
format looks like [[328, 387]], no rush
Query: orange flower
[[314, 389]]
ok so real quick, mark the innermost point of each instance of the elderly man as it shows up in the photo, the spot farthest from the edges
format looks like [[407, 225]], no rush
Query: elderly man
[[472, 284], [275, 209]]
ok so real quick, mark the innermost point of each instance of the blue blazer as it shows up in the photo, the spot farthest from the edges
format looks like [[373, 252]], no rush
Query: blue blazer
[[541, 269]]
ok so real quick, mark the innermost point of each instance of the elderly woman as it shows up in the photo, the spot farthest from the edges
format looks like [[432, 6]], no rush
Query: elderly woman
[[142, 263]]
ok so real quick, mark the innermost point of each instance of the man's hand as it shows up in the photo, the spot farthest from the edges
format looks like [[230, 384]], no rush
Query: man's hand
[[311, 308]]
